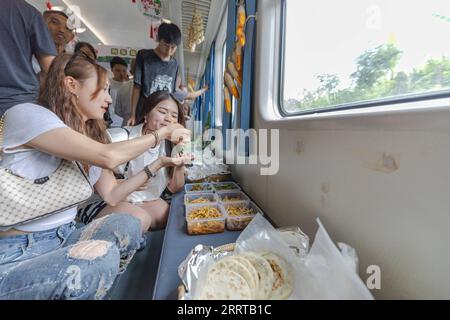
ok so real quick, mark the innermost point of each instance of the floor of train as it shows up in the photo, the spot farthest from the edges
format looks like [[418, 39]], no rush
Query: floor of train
[[138, 281]]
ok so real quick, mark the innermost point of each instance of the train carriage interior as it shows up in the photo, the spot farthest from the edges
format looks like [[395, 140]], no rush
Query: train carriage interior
[[331, 119]]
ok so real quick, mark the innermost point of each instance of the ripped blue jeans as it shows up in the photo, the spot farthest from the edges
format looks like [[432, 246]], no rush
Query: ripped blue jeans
[[66, 262]]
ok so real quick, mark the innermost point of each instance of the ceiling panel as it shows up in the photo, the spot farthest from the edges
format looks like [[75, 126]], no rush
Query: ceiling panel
[[113, 22], [119, 22]]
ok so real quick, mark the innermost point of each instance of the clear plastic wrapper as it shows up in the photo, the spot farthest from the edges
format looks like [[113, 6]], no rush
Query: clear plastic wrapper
[[195, 263], [296, 239], [205, 164]]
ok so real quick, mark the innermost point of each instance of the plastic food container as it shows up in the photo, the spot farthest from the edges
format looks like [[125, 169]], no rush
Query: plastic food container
[[198, 187], [232, 196], [239, 215], [226, 186], [205, 219], [199, 198]]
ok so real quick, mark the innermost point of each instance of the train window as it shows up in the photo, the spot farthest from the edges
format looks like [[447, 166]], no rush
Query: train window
[[363, 53]]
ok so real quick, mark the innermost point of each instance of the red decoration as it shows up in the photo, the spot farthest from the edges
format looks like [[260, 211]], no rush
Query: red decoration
[[49, 5], [151, 31], [154, 30]]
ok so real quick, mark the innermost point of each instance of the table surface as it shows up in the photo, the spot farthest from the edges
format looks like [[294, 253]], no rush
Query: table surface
[[176, 247]]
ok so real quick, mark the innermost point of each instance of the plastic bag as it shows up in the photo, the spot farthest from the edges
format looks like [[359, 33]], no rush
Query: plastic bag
[[349, 255], [327, 274], [322, 274], [205, 165], [261, 236], [296, 239]]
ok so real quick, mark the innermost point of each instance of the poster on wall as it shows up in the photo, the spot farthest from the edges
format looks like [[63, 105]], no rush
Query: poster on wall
[[151, 8], [106, 53]]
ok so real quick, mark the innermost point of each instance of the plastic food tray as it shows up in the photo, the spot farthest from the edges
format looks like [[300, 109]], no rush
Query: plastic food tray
[[189, 197], [198, 187], [231, 197], [239, 222], [206, 225], [225, 186]]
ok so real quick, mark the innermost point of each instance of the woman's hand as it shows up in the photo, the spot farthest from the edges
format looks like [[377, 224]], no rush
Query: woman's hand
[[175, 133], [177, 161]]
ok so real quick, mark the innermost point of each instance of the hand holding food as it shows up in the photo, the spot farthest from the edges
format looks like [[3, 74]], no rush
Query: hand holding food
[[177, 161], [176, 133]]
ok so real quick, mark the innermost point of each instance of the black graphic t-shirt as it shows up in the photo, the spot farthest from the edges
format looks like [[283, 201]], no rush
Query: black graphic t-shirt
[[23, 33], [152, 74]]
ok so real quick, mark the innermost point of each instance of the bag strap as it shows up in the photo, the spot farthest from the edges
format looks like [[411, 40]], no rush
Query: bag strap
[[44, 179], [2, 124], [125, 170]]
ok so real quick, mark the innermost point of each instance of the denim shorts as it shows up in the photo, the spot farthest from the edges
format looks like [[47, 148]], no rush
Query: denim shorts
[[66, 262]]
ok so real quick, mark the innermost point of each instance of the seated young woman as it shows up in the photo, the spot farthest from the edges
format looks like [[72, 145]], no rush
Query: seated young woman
[[160, 110], [49, 258]]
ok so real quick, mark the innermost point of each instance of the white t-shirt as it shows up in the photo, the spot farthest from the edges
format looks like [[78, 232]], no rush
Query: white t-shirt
[[156, 185], [113, 91], [23, 123]]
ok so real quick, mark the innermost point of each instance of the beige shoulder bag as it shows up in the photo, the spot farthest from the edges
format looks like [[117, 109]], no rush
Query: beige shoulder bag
[[23, 200]]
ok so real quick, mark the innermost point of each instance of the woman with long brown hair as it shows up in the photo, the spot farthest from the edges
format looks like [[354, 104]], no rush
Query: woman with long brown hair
[[48, 258]]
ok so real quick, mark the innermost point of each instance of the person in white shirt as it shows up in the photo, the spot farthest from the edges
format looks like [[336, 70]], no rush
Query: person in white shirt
[[38, 259], [122, 107], [160, 110], [119, 68]]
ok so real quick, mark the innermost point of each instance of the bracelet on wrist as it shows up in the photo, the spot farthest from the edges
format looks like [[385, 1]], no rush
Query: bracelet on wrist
[[157, 139], [149, 173]]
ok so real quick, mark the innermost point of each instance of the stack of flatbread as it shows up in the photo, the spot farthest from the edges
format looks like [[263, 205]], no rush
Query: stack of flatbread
[[249, 276]]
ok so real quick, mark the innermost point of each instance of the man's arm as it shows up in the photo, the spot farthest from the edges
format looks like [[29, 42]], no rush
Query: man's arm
[[45, 61], [134, 101], [138, 82], [196, 94]]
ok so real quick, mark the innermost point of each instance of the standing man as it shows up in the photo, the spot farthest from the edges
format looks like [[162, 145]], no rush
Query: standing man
[[23, 33], [156, 69], [122, 106], [56, 20], [119, 68]]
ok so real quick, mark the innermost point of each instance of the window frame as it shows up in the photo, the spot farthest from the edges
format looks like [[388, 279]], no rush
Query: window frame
[[220, 39], [403, 99]]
